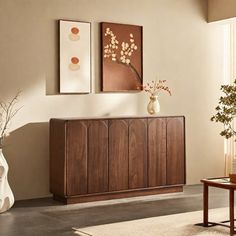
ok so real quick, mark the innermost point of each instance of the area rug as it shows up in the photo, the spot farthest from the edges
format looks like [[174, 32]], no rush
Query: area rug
[[171, 225]]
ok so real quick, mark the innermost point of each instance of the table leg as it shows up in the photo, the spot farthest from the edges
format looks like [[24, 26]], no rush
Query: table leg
[[231, 210], [205, 205]]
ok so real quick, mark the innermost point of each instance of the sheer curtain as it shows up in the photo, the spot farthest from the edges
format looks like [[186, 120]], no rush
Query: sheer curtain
[[229, 77]]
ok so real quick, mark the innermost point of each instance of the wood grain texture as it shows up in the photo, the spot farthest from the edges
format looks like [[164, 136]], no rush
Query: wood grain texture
[[76, 157], [57, 157], [98, 159], [156, 152], [175, 151], [118, 155], [138, 153], [97, 156]]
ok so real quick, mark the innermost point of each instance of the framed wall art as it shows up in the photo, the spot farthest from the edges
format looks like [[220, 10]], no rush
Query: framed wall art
[[122, 57], [75, 56]]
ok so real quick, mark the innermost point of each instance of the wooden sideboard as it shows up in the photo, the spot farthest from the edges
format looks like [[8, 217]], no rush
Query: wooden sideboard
[[98, 159]]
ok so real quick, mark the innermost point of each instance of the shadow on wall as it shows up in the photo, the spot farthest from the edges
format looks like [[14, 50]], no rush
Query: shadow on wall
[[52, 78], [27, 154]]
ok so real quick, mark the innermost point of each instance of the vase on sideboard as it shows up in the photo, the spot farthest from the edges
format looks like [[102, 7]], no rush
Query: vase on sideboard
[[6, 195], [153, 105]]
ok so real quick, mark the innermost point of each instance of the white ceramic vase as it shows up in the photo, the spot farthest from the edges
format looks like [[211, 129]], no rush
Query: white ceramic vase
[[153, 105], [6, 195]]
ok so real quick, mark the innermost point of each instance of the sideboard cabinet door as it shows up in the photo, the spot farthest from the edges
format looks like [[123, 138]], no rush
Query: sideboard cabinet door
[[118, 154], [137, 153], [156, 152], [76, 143], [97, 156], [175, 151], [95, 159]]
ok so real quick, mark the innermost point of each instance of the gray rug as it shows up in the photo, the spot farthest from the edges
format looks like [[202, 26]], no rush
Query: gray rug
[[172, 225]]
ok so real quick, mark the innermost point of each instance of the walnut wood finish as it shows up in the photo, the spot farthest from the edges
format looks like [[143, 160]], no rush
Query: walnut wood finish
[[175, 151], [224, 183], [137, 153], [98, 156], [57, 163], [118, 155], [205, 205], [119, 194], [77, 157], [98, 159], [231, 210], [157, 152]]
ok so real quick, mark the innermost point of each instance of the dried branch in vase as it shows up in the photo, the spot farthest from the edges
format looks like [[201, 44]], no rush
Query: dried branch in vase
[[154, 87], [7, 113]]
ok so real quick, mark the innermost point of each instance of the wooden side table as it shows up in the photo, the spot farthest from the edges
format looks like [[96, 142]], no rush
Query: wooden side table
[[223, 183]]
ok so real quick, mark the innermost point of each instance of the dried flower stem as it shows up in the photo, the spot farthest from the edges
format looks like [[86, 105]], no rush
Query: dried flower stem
[[7, 112], [133, 69], [154, 87]]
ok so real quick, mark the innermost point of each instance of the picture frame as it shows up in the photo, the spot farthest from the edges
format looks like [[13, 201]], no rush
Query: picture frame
[[75, 57], [121, 57]]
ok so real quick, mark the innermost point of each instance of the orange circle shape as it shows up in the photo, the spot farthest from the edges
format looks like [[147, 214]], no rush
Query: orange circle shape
[[75, 60], [74, 30]]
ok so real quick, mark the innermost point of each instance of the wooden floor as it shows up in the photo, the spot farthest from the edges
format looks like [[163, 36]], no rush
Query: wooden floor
[[45, 217]]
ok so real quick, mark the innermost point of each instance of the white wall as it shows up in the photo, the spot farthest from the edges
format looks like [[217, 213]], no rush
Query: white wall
[[178, 46]]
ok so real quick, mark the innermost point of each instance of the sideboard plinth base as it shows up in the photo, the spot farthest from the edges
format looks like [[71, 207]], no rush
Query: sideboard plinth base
[[117, 194]]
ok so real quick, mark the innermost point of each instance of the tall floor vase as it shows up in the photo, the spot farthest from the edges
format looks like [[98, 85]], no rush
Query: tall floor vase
[[6, 195]]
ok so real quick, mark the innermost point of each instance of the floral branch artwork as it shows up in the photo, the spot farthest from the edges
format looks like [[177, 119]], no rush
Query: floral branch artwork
[[7, 113], [154, 87], [122, 46], [124, 56]]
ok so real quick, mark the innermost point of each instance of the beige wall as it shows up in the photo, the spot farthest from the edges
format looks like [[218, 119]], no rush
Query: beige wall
[[221, 9], [178, 46]]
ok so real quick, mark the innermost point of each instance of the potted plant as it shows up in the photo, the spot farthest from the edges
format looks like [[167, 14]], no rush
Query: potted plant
[[7, 112], [225, 114]]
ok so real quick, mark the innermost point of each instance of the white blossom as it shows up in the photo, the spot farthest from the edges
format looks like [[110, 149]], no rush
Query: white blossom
[[126, 49]]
